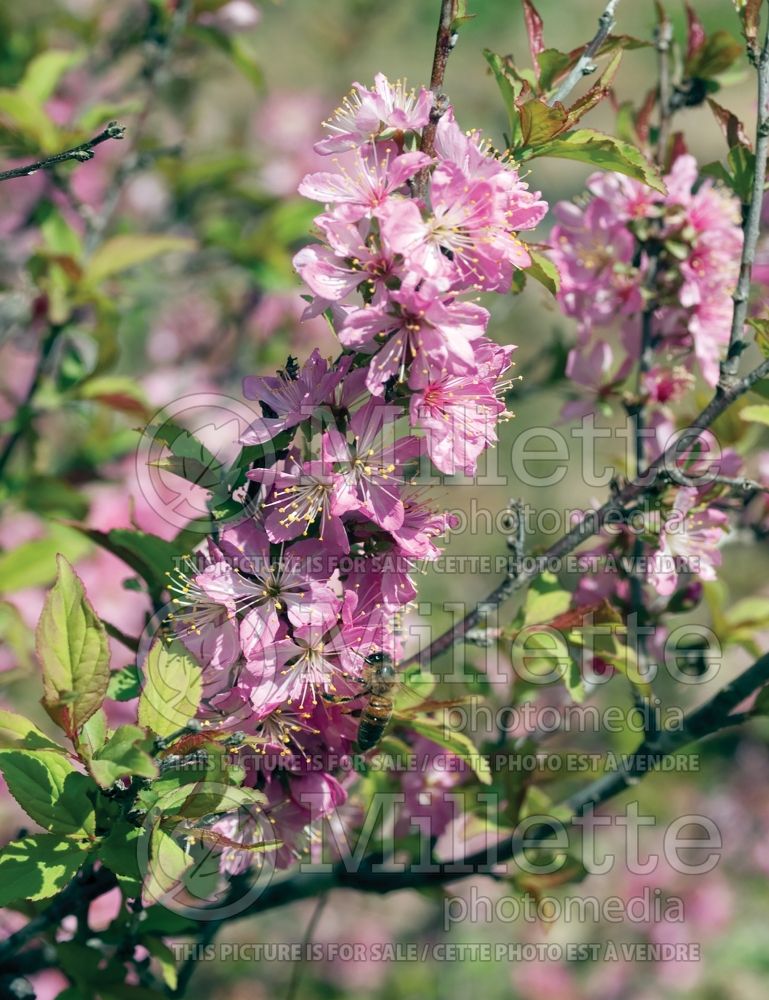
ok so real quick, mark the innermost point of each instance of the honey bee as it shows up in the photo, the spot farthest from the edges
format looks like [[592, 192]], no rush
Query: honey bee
[[381, 682]]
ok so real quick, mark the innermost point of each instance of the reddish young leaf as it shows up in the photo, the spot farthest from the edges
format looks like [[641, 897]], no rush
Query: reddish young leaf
[[534, 30], [731, 126], [598, 92], [696, 35], [643, 118], [751, 15]]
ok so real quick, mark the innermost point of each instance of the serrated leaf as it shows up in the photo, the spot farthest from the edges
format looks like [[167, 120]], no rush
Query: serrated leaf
[[192, 470], [123, 252], [731, 126], [18, 733], [72, 647], [49, 790], [37, 867], [126, 752], [511, 89], [457, 743], [540, 122], [605, 152], [552, 65], [172, 688], [534, 30]]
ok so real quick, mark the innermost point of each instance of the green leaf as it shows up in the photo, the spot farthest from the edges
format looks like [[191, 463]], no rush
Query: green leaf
[[457, 743], [93, 735], [148, 555], [510, 88], [758, 413], [37, 867], [123, 252], [119, 851], [552, 64], [125, 684], [49, 790], [172, 688], [18, 733], [761, 330], [33, 564], [126, 752], [72, 647], [540, 122], [543, 270], [167, 864], [545, 600], [605, 152], [718, 53], [14, 635], [23, 113], [165, 959], [182, 444], [42, 75]]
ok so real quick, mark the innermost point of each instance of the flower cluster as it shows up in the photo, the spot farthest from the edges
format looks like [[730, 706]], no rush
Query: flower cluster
[[286, 608], [662, 268], [624, 239]]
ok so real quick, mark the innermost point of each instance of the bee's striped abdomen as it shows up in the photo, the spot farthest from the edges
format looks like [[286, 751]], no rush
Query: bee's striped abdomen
[[373, 722]]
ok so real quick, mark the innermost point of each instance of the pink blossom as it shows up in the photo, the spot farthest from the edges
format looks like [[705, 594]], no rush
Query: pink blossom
[[360, 189], [292, 400], [688, 541], [457, 413], [365, 114]]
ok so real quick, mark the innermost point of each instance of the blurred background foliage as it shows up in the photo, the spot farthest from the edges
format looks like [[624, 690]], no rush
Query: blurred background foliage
[[162, 268]]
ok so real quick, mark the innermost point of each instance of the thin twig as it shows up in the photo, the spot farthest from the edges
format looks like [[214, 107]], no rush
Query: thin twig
[[594, 520], [585, 65], [444, 44], [23, 410], [371, 876], [81, 153], [752, 227], [663, 38]]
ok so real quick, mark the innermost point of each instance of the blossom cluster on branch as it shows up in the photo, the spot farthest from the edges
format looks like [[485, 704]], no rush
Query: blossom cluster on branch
[[287, 606]]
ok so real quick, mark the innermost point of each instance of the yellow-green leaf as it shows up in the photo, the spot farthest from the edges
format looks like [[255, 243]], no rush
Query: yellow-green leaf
[[49, 790], [172, 688], [123, 252], [72, 648]]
